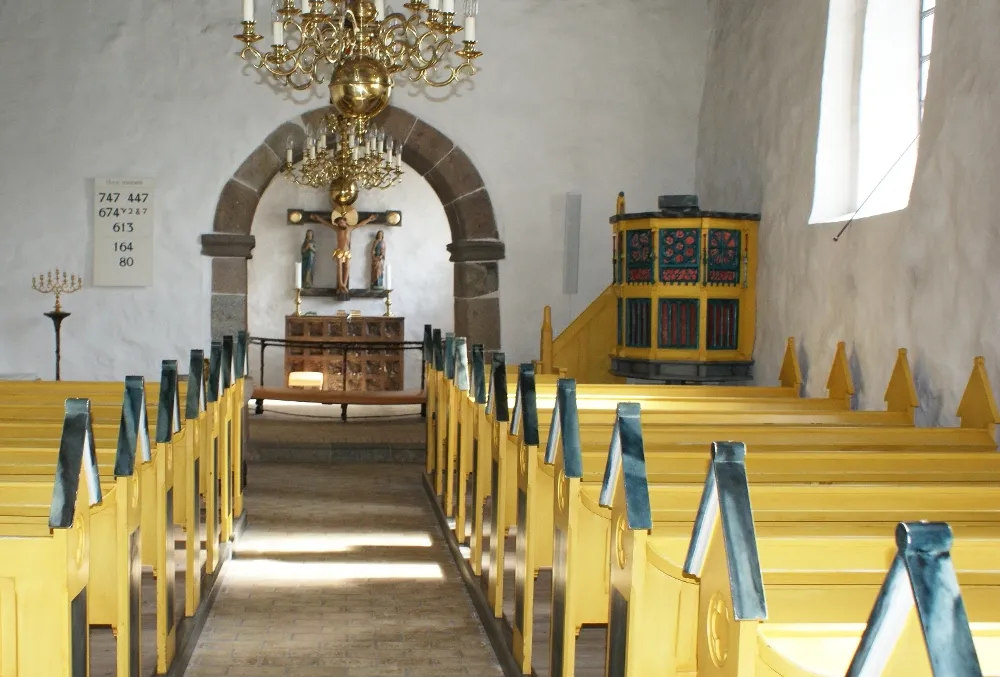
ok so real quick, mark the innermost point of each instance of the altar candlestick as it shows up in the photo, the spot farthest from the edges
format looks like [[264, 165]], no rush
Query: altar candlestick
[[248, 10], [298, 275]]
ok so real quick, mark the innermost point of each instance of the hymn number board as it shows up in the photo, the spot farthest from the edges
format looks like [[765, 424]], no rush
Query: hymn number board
[[123, 233]]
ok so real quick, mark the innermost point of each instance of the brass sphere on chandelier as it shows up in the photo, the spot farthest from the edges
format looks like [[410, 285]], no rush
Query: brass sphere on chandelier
[[360, 87], [343, 191]]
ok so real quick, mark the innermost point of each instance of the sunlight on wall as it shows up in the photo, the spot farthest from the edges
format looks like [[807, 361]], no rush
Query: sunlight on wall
[[866, 153]]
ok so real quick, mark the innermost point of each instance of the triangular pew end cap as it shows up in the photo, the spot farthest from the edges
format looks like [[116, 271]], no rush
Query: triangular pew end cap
[[840, 385], [978, 408], [791, 375], [901, 393]]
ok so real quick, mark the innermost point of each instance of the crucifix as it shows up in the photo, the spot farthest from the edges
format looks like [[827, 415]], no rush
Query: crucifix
[[343, 220]]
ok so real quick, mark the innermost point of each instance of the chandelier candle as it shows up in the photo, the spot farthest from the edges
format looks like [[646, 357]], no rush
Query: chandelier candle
[[248, 11]]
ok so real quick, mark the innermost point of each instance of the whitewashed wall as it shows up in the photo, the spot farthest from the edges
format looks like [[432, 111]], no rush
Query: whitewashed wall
[[421, 272], [579, 95], [924, 278]]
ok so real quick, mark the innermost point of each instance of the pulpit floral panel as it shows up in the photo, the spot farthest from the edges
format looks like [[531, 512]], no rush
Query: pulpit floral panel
[[724, 256], [680, 255], [639, 256]]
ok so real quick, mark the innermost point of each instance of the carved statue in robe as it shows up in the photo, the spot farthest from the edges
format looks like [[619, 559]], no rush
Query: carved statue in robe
[[379, 250], [342, 254], [308, 259]]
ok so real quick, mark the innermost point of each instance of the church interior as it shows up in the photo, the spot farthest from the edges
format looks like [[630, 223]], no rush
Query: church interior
[[401, 376]]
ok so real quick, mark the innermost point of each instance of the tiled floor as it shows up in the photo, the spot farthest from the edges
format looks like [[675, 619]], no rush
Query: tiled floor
[[342, 572]]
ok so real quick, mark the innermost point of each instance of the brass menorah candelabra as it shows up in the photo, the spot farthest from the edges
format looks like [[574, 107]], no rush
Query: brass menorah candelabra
[[47, 283], [58, 284]]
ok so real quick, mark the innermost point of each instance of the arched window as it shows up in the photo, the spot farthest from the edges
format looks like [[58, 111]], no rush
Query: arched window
[[871, 104]]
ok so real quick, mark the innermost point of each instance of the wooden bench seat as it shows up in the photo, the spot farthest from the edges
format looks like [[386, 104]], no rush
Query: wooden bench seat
[[456, 399], [794, 650], [535, 528], [45, 551], [819, 552], [190, 467], [115, 546], [489, 424], [173, 463]]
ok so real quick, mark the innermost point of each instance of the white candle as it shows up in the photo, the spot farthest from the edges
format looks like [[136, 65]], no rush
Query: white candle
[[312, 152], [470, 28], [379, 9], [306, 6], [289, 156], [388, 277], [434, 5], [298, 275], [279, 32], [248, 10], [449, 6]]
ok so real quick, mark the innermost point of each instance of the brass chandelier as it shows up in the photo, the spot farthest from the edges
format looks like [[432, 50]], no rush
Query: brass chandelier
[[317, 40], [346, 155], [359, 49]]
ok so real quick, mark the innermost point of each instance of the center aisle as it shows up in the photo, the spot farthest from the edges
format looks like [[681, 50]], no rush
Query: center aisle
[[342, 572]]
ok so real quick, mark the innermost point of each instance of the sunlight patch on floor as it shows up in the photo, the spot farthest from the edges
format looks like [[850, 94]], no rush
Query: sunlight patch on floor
[[251, 572], [264, 543]]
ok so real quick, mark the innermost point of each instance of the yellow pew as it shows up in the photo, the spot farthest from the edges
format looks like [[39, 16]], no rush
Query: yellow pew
[[534, 504], [155, 491], [790, 378], [577, 518], [115, 522], [818, 552], [45, 560]]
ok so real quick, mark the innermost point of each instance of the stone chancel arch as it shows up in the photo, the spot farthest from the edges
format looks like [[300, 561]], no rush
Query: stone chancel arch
[[475, 246]]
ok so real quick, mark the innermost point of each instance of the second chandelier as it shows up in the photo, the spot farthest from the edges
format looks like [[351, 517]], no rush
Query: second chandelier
[[346, 155]]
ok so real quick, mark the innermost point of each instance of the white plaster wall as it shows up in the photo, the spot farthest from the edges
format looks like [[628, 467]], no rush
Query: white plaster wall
[[422, 275], [578, 95], [923, 278]]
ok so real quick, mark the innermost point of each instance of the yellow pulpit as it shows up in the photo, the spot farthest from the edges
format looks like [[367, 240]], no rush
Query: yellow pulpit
[[686, 286]]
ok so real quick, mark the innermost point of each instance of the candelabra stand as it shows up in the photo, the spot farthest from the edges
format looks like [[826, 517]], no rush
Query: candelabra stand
[[47, 283], [298, 302], [388, 303], [57, 317]]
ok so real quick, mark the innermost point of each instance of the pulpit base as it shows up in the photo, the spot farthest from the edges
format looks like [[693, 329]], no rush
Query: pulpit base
[[679, 373]]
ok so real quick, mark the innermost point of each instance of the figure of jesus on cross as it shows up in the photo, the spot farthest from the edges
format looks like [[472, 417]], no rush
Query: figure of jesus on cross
[[342, 254]]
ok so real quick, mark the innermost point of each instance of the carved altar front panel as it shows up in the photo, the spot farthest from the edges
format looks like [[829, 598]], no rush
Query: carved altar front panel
[[350, 366]]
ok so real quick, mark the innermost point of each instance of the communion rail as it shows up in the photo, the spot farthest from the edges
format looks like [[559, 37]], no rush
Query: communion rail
[[342, 395]]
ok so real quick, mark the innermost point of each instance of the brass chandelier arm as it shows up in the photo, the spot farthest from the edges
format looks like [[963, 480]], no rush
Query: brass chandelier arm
[[419, 45]]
